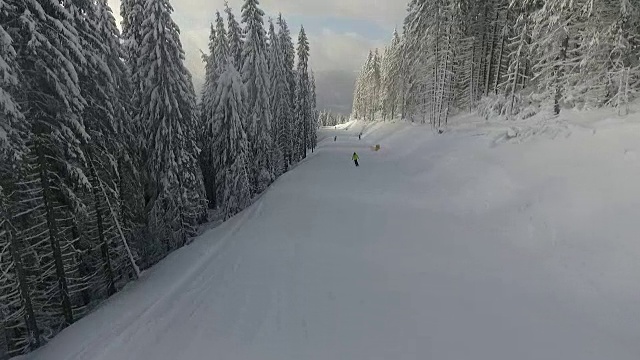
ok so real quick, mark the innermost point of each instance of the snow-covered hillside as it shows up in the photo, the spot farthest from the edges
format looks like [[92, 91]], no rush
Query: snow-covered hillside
[[476, 244]]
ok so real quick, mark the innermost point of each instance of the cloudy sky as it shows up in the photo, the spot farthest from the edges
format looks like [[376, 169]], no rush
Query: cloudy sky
[[341, 32]]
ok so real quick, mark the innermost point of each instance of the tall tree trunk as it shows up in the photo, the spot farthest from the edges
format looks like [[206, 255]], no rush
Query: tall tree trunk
[[61, 275], [498, 74], [4, 340], [483, 55], [132, 260], [472, 85], [489, 70], [436, 80], [559, 74], [503, 41], [104, 245], [304, 134], [29, 314], [403, 103]]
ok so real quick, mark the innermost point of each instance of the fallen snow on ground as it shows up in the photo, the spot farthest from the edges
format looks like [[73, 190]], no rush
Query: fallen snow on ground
[[455, 246]]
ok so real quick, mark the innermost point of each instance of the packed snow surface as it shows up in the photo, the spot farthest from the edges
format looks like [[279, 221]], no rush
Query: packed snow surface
[[479, 244]]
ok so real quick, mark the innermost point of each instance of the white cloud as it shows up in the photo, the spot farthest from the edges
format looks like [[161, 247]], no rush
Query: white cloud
[[385, 12], [339, 51]]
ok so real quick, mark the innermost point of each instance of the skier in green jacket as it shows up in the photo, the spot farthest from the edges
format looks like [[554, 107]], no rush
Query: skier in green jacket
[[355, 158]]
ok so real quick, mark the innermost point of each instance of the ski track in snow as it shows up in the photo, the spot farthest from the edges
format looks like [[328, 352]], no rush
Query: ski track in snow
[[453, 246]]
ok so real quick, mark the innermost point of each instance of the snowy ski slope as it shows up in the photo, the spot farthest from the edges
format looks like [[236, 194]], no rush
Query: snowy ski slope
[[443, 247]]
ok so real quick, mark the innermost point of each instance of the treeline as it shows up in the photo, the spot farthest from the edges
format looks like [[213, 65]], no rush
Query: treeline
[[511, 58], [107, 163], [327, 118]]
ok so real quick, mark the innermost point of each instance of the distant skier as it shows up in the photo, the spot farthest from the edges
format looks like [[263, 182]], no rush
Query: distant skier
[[355, 158], [360, 136], [335, 138]]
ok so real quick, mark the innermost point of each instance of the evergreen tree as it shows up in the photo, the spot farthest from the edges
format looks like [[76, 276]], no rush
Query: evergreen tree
[[280, 106], [313, 122], [231, 142], [519, 58], [288, 59], [502, 57], [51, 175], [358, 95], [119, 175], [391, 76], [168, 112], [18, 326], [215, 65], [255, 75], [207, 158], [12, 127], [302, 104], [372, 79], [235, 38], [128, 154], [132, 12]]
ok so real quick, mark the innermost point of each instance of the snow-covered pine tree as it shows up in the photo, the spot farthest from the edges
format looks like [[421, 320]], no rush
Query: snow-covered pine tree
[[365, 87], [390, 81], [51, 176], [18, 327], [359, 109], [100, 251], [416, 27], [475, 25], [109, 155], [603, 67], [132, 12], [553, 35], [302, 105], [504, 24], [496, 10], [280, 107], [208, 87], [134, 176], [12, 126], [373, 85], [176, 199], [288, 59], [519, 56], [207, 161], [453, 20], [215, 65], [313, 121], [255, 75], [384, 80], [272, 47], [235, 38], [324, 118], [369, 85], [231, 142], [621, 23], [128, 163], [431, 34], [221, 45], [18, 324], [552, 53]]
